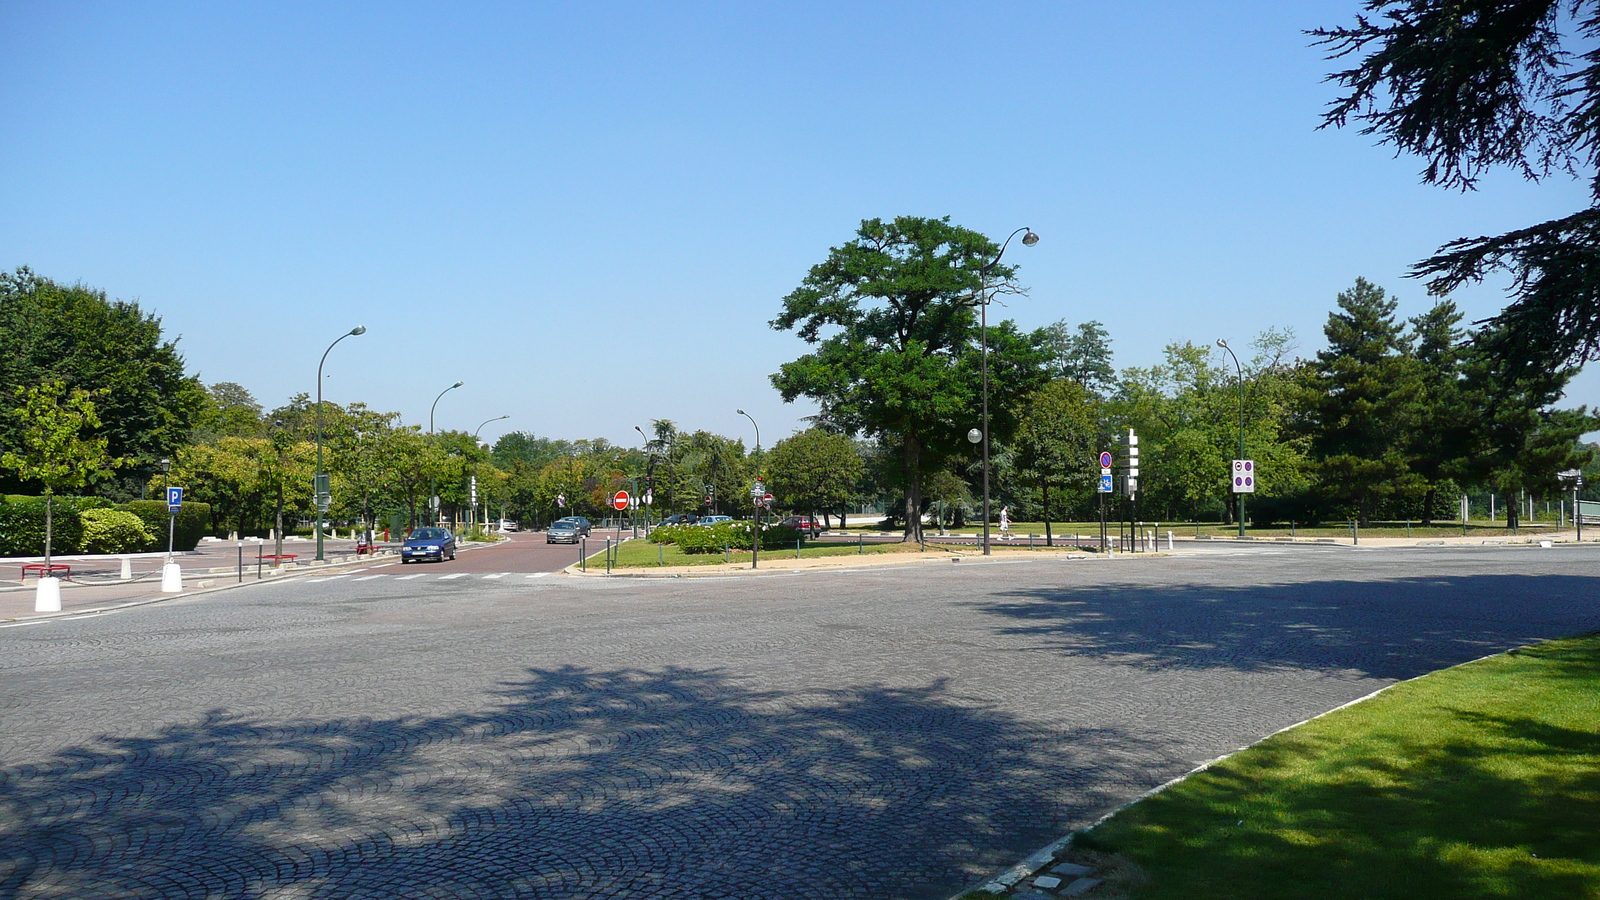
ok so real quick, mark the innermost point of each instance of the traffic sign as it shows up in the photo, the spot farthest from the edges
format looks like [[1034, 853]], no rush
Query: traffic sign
[[767, 501], [174, 499], [758, 490], [561, 500], [620, 501], [1105, 483], [1244, 476], [1105, 459]]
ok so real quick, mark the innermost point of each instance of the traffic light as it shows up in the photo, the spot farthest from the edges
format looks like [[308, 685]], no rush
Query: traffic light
[[1132, 479]]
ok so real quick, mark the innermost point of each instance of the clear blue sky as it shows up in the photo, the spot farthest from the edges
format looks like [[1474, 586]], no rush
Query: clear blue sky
[[589, 212]]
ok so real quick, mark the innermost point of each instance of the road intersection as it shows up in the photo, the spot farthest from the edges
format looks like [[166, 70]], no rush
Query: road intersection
[[466, 730]]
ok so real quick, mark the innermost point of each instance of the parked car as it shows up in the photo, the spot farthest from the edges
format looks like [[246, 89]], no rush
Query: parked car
[[807, 525], [679, 519], [506, 525], [712, 520], [428, 543]]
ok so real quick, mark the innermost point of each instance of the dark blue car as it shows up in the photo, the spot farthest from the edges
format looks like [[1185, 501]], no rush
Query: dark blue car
[[429, 543]]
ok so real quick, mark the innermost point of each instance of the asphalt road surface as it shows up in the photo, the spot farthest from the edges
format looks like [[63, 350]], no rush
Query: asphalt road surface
[[485, 728]]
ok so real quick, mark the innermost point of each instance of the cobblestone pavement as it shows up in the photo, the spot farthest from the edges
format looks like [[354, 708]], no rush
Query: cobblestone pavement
[[857, 734]]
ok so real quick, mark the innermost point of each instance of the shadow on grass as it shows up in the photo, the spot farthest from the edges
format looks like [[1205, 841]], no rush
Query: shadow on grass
[[1306, 816], [1396, 628], [575, 783]]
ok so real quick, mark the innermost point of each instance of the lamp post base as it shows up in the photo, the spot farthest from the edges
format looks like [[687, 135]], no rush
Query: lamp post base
[[171, 578], [48, 596]]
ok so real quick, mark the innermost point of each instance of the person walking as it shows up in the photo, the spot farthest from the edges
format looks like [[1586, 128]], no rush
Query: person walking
[[1005, 523]]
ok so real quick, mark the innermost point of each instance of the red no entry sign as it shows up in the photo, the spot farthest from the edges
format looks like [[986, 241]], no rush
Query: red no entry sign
[[620, 501]]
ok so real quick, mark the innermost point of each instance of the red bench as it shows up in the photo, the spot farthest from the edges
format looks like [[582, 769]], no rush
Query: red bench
[[43, 570], [276, 558]]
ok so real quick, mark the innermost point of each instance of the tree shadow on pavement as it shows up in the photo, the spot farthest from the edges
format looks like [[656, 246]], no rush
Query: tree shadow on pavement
[[1396, 628], [571, 783]]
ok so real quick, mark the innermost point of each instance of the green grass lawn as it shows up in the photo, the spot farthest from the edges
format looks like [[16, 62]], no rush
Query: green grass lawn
[[1190, 529], [1478, 781], [643, 554]]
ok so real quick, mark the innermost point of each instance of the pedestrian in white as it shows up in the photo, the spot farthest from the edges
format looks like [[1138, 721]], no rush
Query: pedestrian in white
[[1005, 523]]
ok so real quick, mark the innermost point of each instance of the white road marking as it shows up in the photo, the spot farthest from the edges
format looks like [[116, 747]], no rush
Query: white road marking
[[408, 577], [536, 575], [454, 575], [492, 577], [325, 578], [370, 577]]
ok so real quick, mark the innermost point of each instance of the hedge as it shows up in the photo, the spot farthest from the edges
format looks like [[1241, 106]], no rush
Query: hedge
[[22, 526], [194, 519], [108, 530], [737, 535]]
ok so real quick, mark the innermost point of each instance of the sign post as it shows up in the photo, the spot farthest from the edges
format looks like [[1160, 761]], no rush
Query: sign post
[[758, 492], [171, 574]]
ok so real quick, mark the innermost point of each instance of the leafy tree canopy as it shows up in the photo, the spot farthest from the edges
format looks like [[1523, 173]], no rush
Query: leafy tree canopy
[[893, 317], [1471, 86], [113, 349]]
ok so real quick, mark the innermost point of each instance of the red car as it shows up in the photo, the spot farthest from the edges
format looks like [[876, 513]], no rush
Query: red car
[[808, 525]]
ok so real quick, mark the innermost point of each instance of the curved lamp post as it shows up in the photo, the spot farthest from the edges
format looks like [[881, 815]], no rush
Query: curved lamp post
[[755, 542], [475, 471], [433, 484], [1028, 240], [320, 481], [1239, 370]]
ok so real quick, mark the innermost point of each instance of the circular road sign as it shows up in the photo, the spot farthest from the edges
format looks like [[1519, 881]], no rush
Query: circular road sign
[[620, 501], [1105, 460]]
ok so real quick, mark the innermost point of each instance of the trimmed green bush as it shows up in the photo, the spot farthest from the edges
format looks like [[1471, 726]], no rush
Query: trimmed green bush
[[737, 535], [114, 531], [193, 520], [22, 526], [667, 534]]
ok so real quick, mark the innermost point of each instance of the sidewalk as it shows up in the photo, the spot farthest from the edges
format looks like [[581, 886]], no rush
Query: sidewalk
[[96, 583]]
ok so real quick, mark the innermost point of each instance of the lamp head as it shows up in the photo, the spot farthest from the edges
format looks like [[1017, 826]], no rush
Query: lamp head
[[166, 465], [1221, 342], [456, 385], [974, 435], [359, 329], [739, 411], [1029, 239]]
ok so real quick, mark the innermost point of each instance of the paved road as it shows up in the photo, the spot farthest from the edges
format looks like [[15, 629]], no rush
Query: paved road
[[871, 733]]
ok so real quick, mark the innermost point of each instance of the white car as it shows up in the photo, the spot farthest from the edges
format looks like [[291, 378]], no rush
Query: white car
[[506, 525], [712, 520]]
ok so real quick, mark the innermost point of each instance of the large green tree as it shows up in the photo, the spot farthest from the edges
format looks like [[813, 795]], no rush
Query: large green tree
[[892, 316], [1055, 444], [59, 445], [1473, 86], [813, 471], [1365, 405], [113, 349]]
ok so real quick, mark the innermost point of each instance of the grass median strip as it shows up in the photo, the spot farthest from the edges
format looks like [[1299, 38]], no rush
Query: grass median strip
[[643, 554], [1477, 781]]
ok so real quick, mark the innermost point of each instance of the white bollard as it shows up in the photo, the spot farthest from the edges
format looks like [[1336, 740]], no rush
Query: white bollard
[[127, 568], [48, 597], [171, 579], [1169, 541]]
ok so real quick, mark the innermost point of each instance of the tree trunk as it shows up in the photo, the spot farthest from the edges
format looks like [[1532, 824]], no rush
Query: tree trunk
[[844, 511], [277, 528], [1427, 506], [913, 461], [1513, 512], [1044, 490]]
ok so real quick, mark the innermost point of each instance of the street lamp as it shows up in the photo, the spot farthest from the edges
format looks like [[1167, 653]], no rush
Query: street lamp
[[433, 484], [1028, 240], [166, 470], [475, 473], [320, 482], [1239, 370], [755, 542]]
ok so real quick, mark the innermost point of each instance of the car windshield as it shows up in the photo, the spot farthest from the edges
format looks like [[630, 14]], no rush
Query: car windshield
[[429, 534], [564, 525]]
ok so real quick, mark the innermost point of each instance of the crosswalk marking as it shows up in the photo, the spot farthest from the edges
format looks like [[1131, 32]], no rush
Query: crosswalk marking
[[326, 578], [370, 577], [493, 576], [500, 575], [409, 577], [536, 575], [455, 575]]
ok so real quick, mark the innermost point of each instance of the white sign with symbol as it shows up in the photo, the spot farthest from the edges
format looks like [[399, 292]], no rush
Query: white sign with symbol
[[1244, 476]]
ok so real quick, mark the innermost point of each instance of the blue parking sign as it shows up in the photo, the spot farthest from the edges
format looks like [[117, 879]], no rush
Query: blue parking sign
[[1105, 484], [174, 499]]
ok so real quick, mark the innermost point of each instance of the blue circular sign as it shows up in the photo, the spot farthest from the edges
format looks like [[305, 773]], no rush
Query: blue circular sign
[[1105, 460]]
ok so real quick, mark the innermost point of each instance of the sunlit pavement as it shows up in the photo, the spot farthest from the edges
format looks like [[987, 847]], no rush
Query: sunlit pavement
[[484, 728]]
